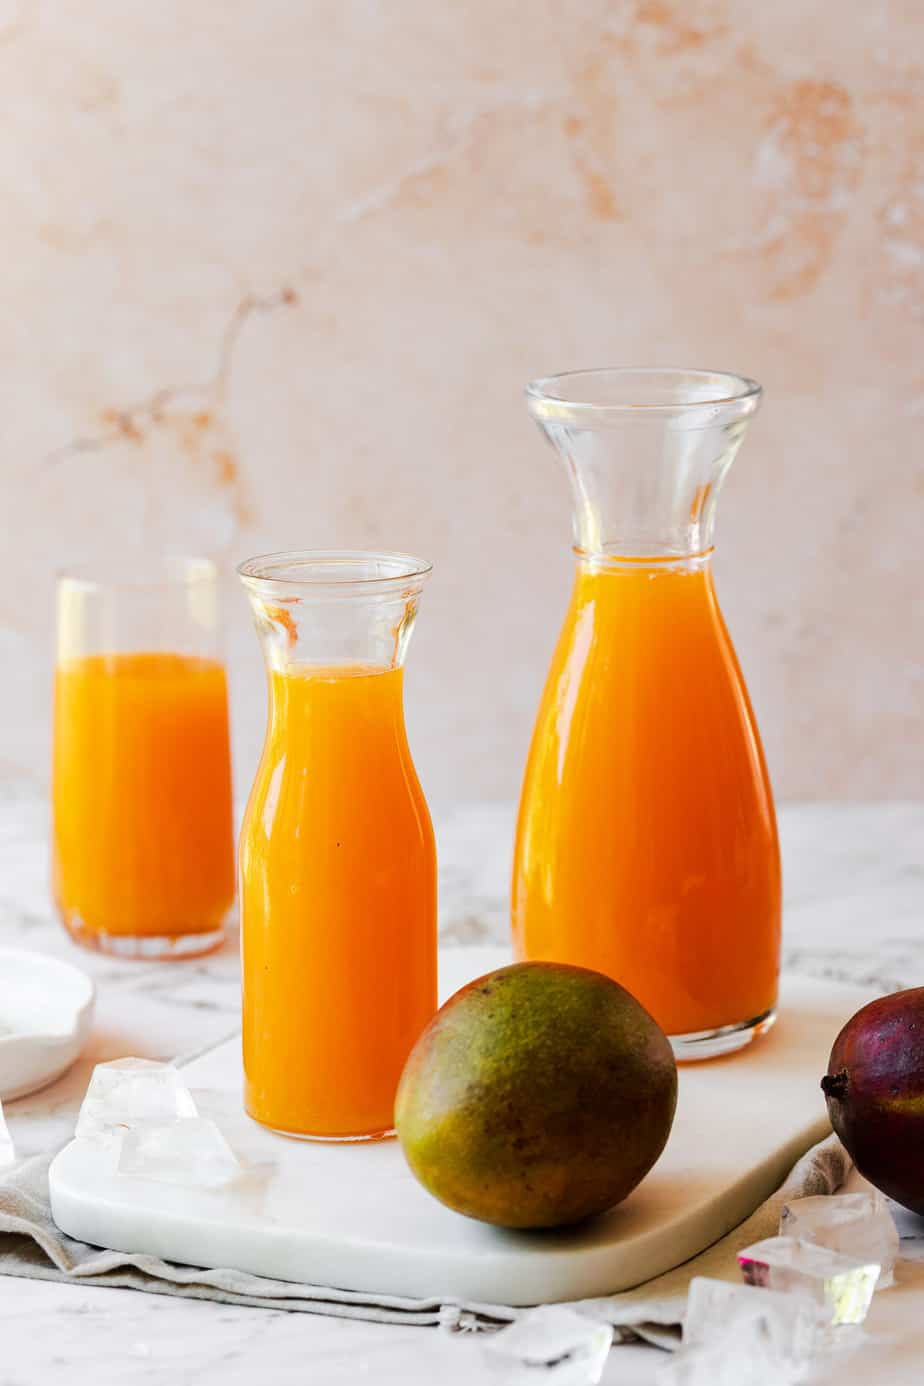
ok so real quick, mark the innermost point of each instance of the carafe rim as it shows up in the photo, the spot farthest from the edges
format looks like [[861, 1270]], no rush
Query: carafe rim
[[604, 391], [337, 571]]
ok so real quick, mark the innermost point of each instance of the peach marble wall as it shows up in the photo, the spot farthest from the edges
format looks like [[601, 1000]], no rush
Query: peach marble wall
[[274, 274]]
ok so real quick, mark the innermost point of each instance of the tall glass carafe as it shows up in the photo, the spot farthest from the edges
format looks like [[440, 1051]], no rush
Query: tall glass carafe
[[647, 844], [337, 859]]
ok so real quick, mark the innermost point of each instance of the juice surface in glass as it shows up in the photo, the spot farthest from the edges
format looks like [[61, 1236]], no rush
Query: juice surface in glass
[[647, 845], [338, 905], [143, 838]]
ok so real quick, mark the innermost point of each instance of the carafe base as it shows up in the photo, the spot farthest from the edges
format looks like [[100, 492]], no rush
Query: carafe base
[[710, 1044], [385, 1135]]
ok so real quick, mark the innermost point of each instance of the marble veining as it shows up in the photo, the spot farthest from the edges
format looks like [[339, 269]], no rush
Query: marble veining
[[434, 204]]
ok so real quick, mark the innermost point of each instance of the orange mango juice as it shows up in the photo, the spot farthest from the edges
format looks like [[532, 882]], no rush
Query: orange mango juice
[[143, 837], [647, 845], [338, 906]]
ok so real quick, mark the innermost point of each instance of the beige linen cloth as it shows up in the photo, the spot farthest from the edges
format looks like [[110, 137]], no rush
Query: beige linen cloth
[[31, 1245]]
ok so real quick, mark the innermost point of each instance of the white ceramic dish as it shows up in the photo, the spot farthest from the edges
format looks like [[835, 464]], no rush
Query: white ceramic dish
[[46, 1010]]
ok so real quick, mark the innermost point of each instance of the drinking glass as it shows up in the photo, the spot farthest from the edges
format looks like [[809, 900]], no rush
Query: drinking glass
[[143, 853]]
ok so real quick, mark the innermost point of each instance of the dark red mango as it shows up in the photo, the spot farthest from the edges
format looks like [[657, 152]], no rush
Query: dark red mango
[[875, 1093]]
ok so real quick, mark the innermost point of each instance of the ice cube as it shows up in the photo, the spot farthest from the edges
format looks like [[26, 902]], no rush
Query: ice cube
[[842, 1285], [791, 1322], [551, 1344], [189, 1151], [127, 1092], [739, 1335], [741, 1359], [857, 1224], [7, 1149]]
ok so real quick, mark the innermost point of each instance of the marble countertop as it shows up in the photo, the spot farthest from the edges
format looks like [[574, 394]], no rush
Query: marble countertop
[[854, 909]]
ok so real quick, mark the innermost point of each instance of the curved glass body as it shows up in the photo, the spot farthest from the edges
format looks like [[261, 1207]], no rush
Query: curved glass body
[[647, 844], [337, 858], [143, 851]]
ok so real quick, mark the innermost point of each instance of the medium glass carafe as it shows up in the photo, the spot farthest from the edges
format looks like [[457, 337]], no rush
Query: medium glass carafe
[[647, 844], [337, 860]]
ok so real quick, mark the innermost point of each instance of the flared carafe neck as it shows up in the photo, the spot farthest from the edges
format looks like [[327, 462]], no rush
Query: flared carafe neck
[[334, 609], [646, 451]]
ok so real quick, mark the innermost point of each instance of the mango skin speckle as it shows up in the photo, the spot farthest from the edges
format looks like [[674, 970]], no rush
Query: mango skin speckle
[[537, 1096]]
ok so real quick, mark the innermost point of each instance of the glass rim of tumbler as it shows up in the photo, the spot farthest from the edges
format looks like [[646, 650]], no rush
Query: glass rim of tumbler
[[333, 572], [130, 575], [639, 390]]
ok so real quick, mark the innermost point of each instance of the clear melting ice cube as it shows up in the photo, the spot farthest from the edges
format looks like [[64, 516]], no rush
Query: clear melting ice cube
[[841, 1285], [7, 1149], [551, 1344], [858, 1225], [790, 1322], [189, 1151], [739, 1335], [128, 1092], [738, 1360]]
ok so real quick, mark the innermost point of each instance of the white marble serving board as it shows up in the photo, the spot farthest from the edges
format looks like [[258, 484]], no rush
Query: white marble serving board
[[352, 1216]]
